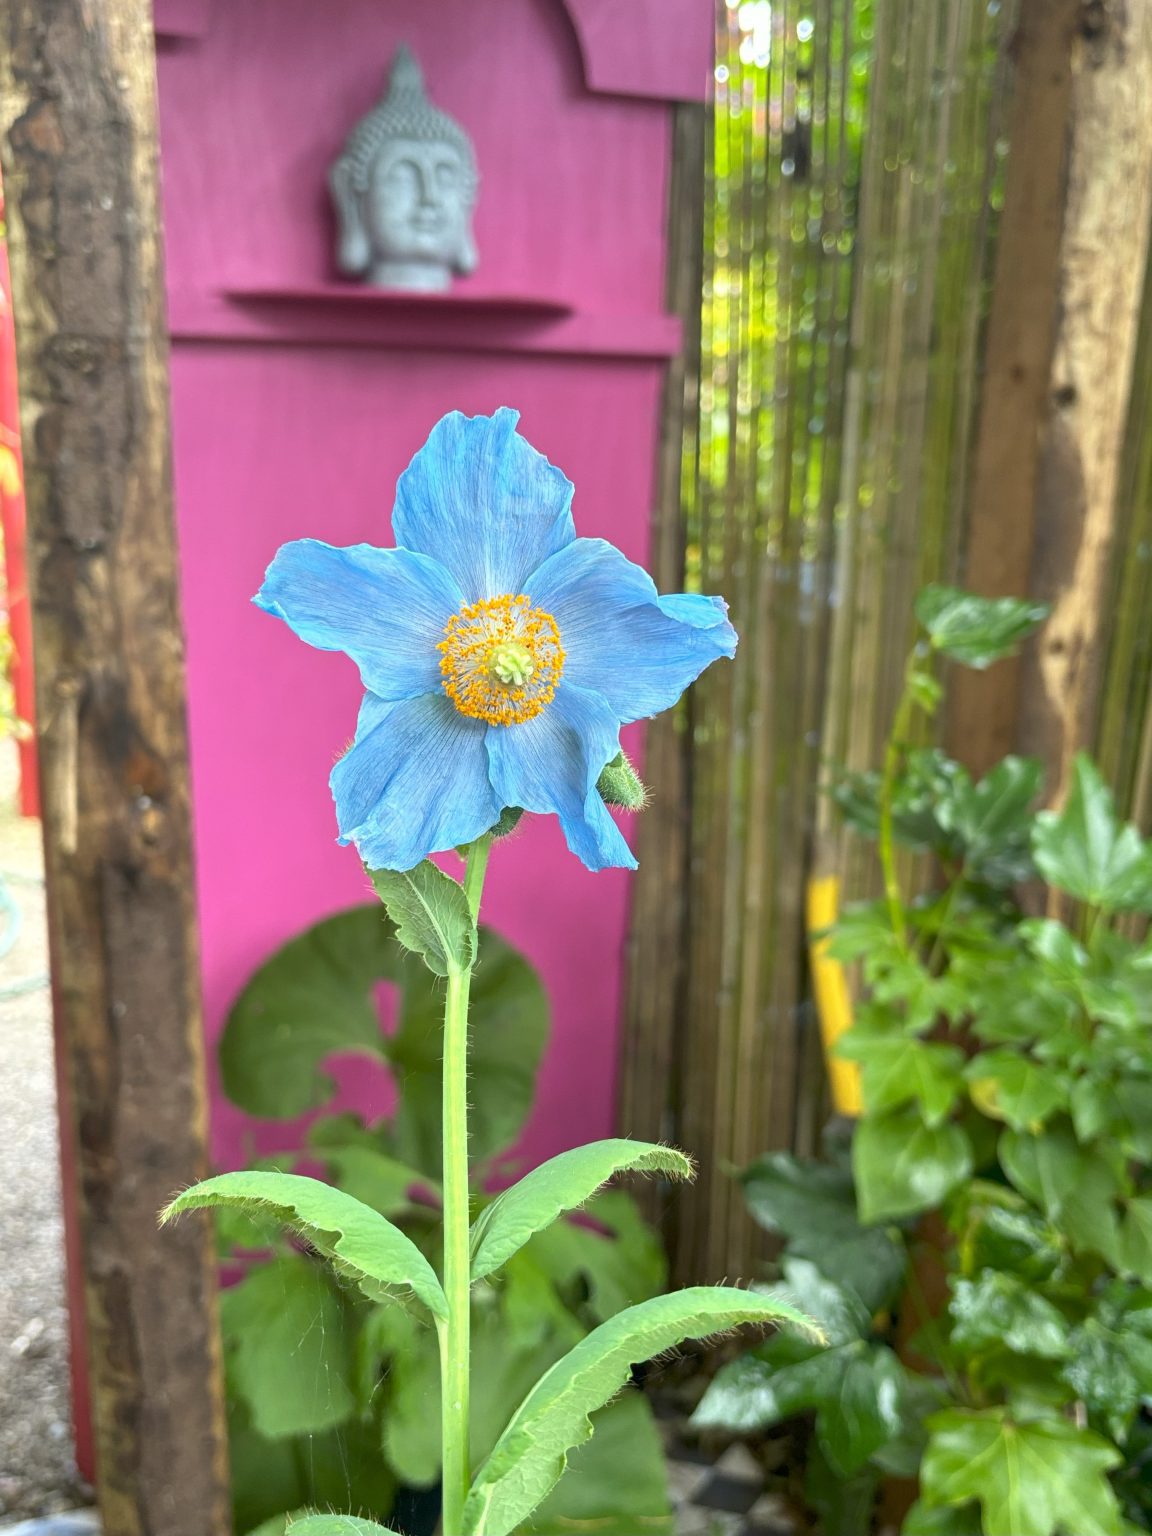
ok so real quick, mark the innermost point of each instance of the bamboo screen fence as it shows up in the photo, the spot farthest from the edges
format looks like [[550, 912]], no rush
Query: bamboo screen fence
[[852, 170]]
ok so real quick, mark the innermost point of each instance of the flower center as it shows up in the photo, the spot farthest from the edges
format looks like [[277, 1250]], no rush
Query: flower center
[[501, 659]]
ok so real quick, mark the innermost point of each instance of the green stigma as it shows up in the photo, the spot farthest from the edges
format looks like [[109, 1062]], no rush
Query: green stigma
[[511, 663]]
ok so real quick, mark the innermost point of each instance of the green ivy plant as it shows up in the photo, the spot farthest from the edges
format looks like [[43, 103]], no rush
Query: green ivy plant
[[333, 1396], [1003, 1040]]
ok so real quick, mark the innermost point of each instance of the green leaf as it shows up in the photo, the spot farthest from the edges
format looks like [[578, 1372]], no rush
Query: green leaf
[[814, 1207], [372, 1177], [288, 1337], [336, 1525], [903, 1166], [508, 1029], [360, 1242], [1076, 1188], [600, 1269], [1017, 1089], [837, 1311], [992, 820], [854, 1389], [616, 1483], [562, 1184], [531, 1454], [431, 915], [1000, 1230], [1031, 1479], [998, 1311], [976, 631], [942, 1520], [1136, 1239], [312, 998], [307, 1472], [316, 996], [1085, 850], [1109, 1373], [898, 1071]]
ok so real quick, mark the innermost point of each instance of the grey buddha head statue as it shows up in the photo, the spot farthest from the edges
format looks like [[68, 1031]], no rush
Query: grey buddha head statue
[[404, 190]]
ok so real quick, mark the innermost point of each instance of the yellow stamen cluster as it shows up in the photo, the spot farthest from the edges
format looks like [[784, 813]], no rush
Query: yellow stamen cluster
[[501, 660]]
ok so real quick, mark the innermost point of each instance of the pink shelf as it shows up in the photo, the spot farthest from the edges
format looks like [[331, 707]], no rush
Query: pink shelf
[[362, 298], [462, 320]]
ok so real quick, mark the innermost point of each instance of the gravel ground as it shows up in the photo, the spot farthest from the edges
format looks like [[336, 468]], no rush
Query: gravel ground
[[37, 1475]]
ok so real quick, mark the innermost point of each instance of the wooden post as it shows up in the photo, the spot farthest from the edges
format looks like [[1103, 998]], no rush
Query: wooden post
[[79, 154], [1103, 258], [1061, 342], [983, 709]]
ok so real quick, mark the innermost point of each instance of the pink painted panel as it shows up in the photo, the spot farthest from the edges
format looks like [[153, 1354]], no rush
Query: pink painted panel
[[277, 444], [572, 192], [298, 423]]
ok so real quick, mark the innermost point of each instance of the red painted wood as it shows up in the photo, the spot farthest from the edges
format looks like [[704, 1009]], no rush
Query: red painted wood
[[15, 561]]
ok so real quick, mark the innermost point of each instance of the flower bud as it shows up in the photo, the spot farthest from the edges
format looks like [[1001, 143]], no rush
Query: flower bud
[[619, 784]]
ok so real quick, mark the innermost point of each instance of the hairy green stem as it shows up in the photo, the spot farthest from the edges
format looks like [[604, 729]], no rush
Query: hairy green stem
[[455, 1335]]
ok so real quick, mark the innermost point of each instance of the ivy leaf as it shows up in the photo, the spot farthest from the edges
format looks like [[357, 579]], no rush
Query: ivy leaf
[[992, 820], [1031, 1479], [1017, 1089], [901, 1070], [530, 1456], [289, 1347], [1001, 1231], [903, 1166], [1105, 1377], [431, 915], [999, 1312], [1136, 1239], [976, 631], [1084, 849], [562, 1183], [855, 1389], [360, 1242], [814, 1207], [1076, 1188]]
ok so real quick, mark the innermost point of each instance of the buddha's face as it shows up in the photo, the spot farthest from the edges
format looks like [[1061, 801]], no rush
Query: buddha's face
[[417, 203]]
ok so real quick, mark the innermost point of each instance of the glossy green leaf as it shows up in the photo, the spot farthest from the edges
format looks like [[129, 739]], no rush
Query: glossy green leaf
[[1000, 1230], [563, 1183], [992, 820], [1076, 1188], [508, 1014], [865, 1413], [1110, 1373], [360, 1242], [901, 1070], [1031, 1479], [1084, 848], [288, 1332], [836, 1310], [976, 631], [814, 1207], [942, 1520], [531, 1454], [616, 1483], [1014, 1088], [1136, 1239], [998, 1311], [903, 1166], [431, 915]]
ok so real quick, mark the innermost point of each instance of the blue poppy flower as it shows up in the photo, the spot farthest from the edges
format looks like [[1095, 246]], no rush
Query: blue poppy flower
[[500, 653]]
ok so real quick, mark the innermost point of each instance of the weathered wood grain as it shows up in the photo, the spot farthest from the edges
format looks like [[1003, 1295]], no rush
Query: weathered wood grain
[[78, 148]]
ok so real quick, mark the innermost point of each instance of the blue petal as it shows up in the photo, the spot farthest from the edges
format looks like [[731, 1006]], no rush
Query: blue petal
[[414, 782], [552, 764], [386, 608], [482, 501], [620, 637]]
